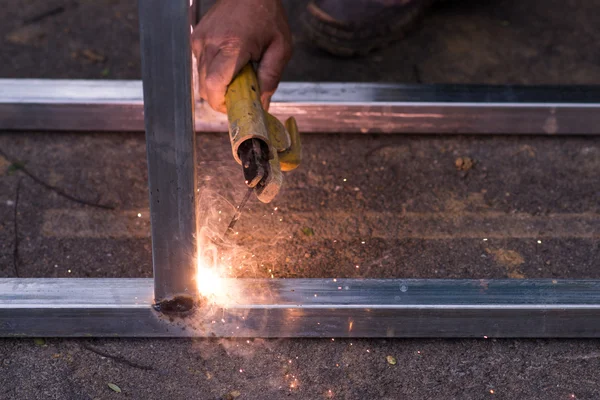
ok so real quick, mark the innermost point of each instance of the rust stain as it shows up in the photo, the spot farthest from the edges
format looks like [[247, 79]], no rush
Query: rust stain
[[551, 125], [483, 285]]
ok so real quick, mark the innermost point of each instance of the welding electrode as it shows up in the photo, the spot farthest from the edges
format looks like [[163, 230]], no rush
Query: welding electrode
[[238, 212]]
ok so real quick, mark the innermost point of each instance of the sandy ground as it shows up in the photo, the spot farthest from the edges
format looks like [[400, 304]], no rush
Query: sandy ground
[[535, 200]]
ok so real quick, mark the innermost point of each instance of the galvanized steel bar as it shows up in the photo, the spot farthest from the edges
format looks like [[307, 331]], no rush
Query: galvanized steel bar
[[79, 105], [308, 308], [170, 142]]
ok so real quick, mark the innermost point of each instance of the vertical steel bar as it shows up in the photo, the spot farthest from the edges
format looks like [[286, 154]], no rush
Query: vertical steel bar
[[170, 146]]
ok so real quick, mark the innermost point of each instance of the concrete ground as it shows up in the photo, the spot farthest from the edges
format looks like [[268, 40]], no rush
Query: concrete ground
[[535, 200]]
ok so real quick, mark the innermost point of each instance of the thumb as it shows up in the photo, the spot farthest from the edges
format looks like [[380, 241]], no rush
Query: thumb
[[271, 68]]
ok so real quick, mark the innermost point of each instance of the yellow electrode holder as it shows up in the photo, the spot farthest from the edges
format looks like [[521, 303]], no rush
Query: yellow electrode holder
[[248, 120]]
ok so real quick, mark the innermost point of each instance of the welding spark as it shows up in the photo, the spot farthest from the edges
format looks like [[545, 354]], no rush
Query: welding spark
[[209, 281]]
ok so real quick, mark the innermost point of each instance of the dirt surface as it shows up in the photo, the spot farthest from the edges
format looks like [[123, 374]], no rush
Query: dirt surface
[[396, 206]]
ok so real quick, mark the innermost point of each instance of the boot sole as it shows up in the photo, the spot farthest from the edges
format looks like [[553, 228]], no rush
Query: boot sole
[[349, 41]]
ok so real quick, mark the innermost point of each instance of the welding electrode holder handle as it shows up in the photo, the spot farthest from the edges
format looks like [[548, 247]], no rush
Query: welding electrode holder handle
[[260, 143]]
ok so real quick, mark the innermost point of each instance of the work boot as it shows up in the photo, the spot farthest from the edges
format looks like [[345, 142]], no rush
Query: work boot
[[357, 27]]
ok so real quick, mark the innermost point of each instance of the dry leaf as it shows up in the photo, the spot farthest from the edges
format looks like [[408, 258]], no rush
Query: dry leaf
[[234, 394], [26, 35], [93, 56], [464, 163], [308, 231], [4, 165], [391, 360], [114, 387]]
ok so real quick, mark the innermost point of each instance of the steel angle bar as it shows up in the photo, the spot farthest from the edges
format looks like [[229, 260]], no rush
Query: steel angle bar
[[307, 308], [80, 105]]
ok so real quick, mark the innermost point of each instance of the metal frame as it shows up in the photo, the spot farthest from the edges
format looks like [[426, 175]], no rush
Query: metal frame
[[294, 307], [308, 308], [171, 147], [84, 105]]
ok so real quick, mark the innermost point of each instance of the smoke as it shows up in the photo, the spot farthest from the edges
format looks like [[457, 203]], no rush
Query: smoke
[[251, 251]]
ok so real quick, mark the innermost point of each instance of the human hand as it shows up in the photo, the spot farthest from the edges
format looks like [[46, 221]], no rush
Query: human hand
[[233, 33]]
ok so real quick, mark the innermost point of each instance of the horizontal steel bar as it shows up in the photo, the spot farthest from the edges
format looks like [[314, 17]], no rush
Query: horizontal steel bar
[[84, 105], [307, 308]]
